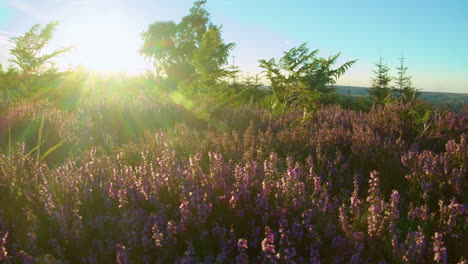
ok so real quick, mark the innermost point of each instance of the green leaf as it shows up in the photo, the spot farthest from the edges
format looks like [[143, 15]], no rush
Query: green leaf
[[36, 147], [39, 138], [54, 148], [9, 141]]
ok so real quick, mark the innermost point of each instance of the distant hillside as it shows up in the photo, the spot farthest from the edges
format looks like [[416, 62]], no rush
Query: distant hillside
[[352, 90], [456, 100]]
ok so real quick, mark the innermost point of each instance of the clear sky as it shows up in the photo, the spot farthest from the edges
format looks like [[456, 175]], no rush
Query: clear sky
[[432, 35]]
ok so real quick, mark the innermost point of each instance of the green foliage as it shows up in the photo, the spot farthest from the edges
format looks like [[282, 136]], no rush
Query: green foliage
[[404, 89], [9, 141], [160, 47], [28, 50], [190, 53], [250, 90], [39, 139], [302, 79], [353, 102], [210, 59], [380, 90], [40, 143], [8, 80], [37, 70], [419, 118]]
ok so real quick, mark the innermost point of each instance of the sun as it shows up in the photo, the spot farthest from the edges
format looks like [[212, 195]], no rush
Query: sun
[[105, 44]]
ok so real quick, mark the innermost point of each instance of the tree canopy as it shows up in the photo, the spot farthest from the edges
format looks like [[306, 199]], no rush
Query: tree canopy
[[191, 50]]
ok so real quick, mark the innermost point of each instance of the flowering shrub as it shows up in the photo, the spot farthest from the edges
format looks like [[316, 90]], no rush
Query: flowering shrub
[[338, 187]]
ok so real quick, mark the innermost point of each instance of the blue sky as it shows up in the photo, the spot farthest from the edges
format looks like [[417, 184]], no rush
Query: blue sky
[[430, 34]]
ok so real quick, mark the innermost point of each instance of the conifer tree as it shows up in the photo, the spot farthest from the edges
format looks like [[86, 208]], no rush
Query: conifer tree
[[380, 90], [404, 89]]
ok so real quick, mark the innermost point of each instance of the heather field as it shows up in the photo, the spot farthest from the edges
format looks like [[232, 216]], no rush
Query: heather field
[[339, 186], [146, 143]]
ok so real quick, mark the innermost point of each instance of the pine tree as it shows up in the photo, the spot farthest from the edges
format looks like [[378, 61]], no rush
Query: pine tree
[[380, 90], [404, 89]]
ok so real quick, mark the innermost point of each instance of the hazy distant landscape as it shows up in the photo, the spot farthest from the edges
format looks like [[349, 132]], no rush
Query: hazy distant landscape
[[196, 159], [454, 100]]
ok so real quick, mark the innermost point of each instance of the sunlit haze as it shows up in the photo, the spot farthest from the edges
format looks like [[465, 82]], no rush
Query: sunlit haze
[[105, 43]]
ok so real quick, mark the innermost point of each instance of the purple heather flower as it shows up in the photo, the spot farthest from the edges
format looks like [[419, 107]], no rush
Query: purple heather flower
[[25, 258], [440, 252], [122, 255], [3, 253]]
